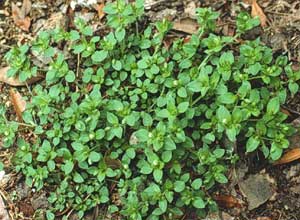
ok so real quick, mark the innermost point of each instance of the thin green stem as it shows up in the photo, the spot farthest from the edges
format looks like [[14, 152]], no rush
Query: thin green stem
[[255, 77]]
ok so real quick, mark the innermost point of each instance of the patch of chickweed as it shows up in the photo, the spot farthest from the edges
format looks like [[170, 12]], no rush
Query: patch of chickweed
[[125, 114]]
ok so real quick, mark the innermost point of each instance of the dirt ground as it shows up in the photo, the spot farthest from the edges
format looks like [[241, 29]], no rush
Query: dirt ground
[[275, 191]]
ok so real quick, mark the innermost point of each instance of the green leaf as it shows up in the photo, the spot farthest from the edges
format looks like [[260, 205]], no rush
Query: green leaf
[[163, 113], [130, 152], [142, 135], [50, 215], [219, 153], [111, 118], [223, 114], [194, 86], [183, 106], [252, 144], [179, 186], [80, 126], [120, 34], [163, 204], [199, 203], [117, 65], [68, 167], [94, 156], [166, 156], [117, 132], [157, 174], [146, 168], [227, 98], [231, 134], [293, 87], [197, 183], [273, 106], [99, 56], [147, 119], [70, 77], [221, 178], [169, 144], [78, 178], [181, 92]]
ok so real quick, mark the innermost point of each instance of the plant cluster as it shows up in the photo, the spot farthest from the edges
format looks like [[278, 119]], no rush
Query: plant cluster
[[127, 114]]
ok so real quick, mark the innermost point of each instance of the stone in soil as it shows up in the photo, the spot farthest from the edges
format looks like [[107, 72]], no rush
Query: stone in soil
[[257, 189]]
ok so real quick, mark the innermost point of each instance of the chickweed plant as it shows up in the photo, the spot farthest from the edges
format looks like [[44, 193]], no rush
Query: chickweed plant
[[154, 123]]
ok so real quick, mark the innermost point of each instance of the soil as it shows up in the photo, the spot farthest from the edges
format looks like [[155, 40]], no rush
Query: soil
[[282, 33]]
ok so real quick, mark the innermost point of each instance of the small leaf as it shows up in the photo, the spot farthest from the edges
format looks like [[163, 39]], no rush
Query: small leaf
[[78, 178], [14, 81], [68, 167], [227, 98], [252, 144], [289, 156], [99, 56], [157, 174], [183, 106], [221, 178], [197, 183], [70, 77], [179, 186], [273, 106], [199, 203]]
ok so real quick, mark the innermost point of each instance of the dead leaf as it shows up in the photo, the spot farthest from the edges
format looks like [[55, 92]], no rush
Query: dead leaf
[[26, 208], [24, 24], [112, 163], [257, 11], [20, 15], [285, 111], [291, 155], [99, 9], [227, 201], [187, 25], [18, 103], [26, 7], [13, 81]]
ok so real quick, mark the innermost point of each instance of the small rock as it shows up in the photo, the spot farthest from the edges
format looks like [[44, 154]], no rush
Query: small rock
[[4, 178], [3, 211], [295, 189], [213, 216], [22, 191], [190, 9], [167, 13], [257, 189], [88, 16], [86, 3], [226, 216], [292, 171], [39, 201]]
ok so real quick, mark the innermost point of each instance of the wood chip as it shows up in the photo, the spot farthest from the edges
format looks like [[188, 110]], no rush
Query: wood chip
[[227, 201], [18, 103]]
